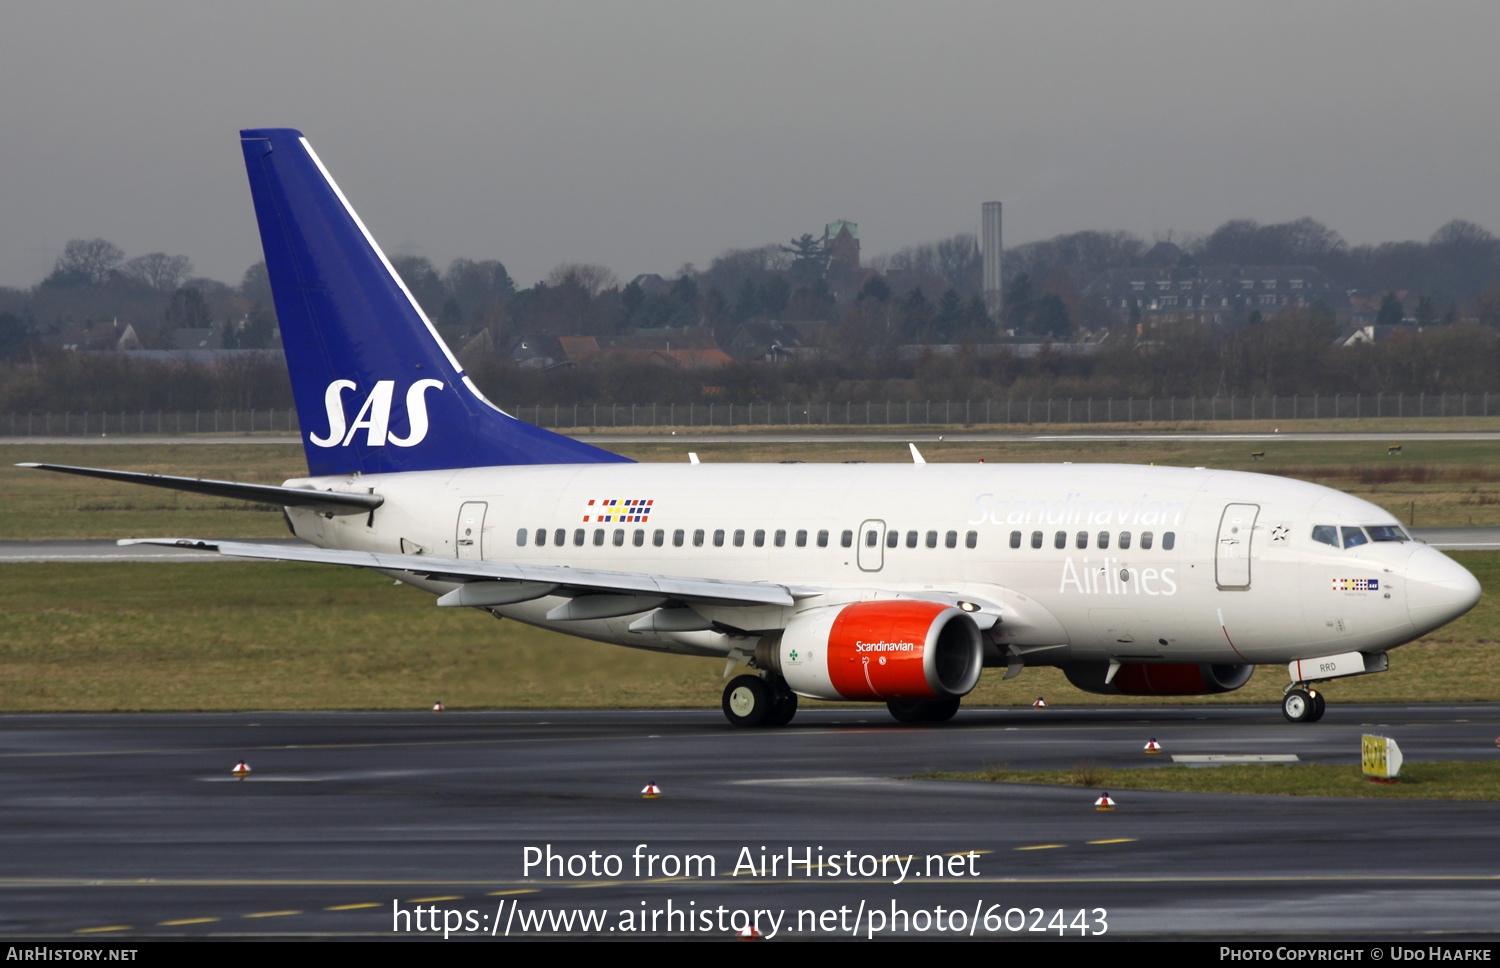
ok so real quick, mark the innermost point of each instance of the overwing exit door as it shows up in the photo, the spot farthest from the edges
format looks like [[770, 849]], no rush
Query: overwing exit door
[[871, 541]]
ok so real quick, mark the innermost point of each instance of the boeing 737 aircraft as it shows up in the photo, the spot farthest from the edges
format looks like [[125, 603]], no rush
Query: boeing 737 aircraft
[[890, 583]]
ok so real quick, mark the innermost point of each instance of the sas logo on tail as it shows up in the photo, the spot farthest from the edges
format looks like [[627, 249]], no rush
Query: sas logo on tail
[[375, 416]]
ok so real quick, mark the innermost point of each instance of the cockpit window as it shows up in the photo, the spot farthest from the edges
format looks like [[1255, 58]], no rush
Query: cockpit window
[[1386, 532], [1354, 537], [1326, 533]]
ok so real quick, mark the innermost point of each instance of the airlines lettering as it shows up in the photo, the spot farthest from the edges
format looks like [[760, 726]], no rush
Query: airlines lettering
[[374, 416], [1110, 578], [1073, 510]]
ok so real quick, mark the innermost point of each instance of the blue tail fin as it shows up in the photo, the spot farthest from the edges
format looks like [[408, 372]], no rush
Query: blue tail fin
[[376, 388]]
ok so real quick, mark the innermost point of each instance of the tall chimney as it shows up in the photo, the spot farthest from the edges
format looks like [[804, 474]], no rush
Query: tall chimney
[[994, 289]]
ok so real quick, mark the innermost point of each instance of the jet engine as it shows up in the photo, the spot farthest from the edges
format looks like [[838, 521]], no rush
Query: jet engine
[[881, 650], [1158, 679]]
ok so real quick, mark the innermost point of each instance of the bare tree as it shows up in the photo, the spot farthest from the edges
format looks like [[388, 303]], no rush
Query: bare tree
[[93, 259], [160, 271], [591, 279]]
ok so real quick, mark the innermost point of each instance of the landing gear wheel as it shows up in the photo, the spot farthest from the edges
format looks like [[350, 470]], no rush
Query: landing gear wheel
[[748, 701], [785, 707], [1319, 704], [1298, 706], [923, 710]]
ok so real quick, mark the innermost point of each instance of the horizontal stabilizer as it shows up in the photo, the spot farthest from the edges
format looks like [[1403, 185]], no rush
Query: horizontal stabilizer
[[570, 581], [329, 502]]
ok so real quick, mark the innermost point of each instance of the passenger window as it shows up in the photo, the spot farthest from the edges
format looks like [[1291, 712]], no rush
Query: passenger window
[[619, 537], [578, 538], [698, 538], [847, 539], [892, 538], [1103, 539], [718, 537], [802, 539], [872, 538], [521, 538], [822, 539], [1015, 539], [658, 537], [560, 537], [1124, 540], [1326, 533], [598, 537], [932, 539], [1145, 540], [951, 539], [541, 537], [739, 538], [1354, 537], [1036, 539], [677, 538], [760, 538], [639, 537], [911, 539], [1060, 540], [780, 538], [1082, 540], [971, 540], [1168, 540]]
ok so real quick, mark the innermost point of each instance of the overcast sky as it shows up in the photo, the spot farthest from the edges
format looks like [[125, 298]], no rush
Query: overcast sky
[[643, 135]]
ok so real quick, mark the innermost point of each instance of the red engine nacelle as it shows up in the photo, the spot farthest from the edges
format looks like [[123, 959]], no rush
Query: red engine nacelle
[[1158, 679], [880, 650]]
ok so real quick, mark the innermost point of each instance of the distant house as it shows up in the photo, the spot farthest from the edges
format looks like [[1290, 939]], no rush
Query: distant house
[[211, 338], [1213, 294], [776, 340], [651, 283], [689, 347]]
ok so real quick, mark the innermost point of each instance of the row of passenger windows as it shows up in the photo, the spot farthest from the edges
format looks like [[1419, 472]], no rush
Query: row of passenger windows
[[559, 537], [1353, 537], [1101, 540]]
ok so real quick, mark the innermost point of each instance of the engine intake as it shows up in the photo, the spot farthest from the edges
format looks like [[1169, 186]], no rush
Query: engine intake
[[878, 651], [1158, 679]]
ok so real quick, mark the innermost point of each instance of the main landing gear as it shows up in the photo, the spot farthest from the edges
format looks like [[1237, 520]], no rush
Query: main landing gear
[[754, 701], [1302, 704]]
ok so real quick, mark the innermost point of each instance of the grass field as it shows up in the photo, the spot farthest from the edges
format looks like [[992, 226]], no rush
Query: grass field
[[1419, 781], [244, 636]]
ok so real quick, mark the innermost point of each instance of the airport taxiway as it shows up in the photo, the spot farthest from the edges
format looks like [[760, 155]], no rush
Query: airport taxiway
[[129, 825]]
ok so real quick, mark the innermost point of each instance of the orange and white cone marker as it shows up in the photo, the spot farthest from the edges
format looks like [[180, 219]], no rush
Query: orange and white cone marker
[[651, 792], [1040, 703], [1152, 746], [749, 933], [1497, 741], [1104, 803], [437, 707], [241, 769]]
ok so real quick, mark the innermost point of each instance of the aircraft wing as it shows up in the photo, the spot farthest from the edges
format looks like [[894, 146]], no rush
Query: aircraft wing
[[466, 571]]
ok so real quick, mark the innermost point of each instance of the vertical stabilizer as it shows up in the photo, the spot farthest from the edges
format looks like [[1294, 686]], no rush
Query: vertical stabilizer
[[377, 390]]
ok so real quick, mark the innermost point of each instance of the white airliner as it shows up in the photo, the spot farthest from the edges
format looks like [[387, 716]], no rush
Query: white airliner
[[892, 583]]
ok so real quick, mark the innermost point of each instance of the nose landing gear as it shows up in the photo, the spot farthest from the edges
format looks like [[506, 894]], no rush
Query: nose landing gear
[[1302, 704]]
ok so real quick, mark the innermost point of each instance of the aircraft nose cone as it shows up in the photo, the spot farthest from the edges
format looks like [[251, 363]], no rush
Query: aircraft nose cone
[[1438, 589]]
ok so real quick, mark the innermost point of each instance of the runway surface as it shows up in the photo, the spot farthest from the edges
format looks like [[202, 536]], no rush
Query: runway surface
[[122, 825]]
